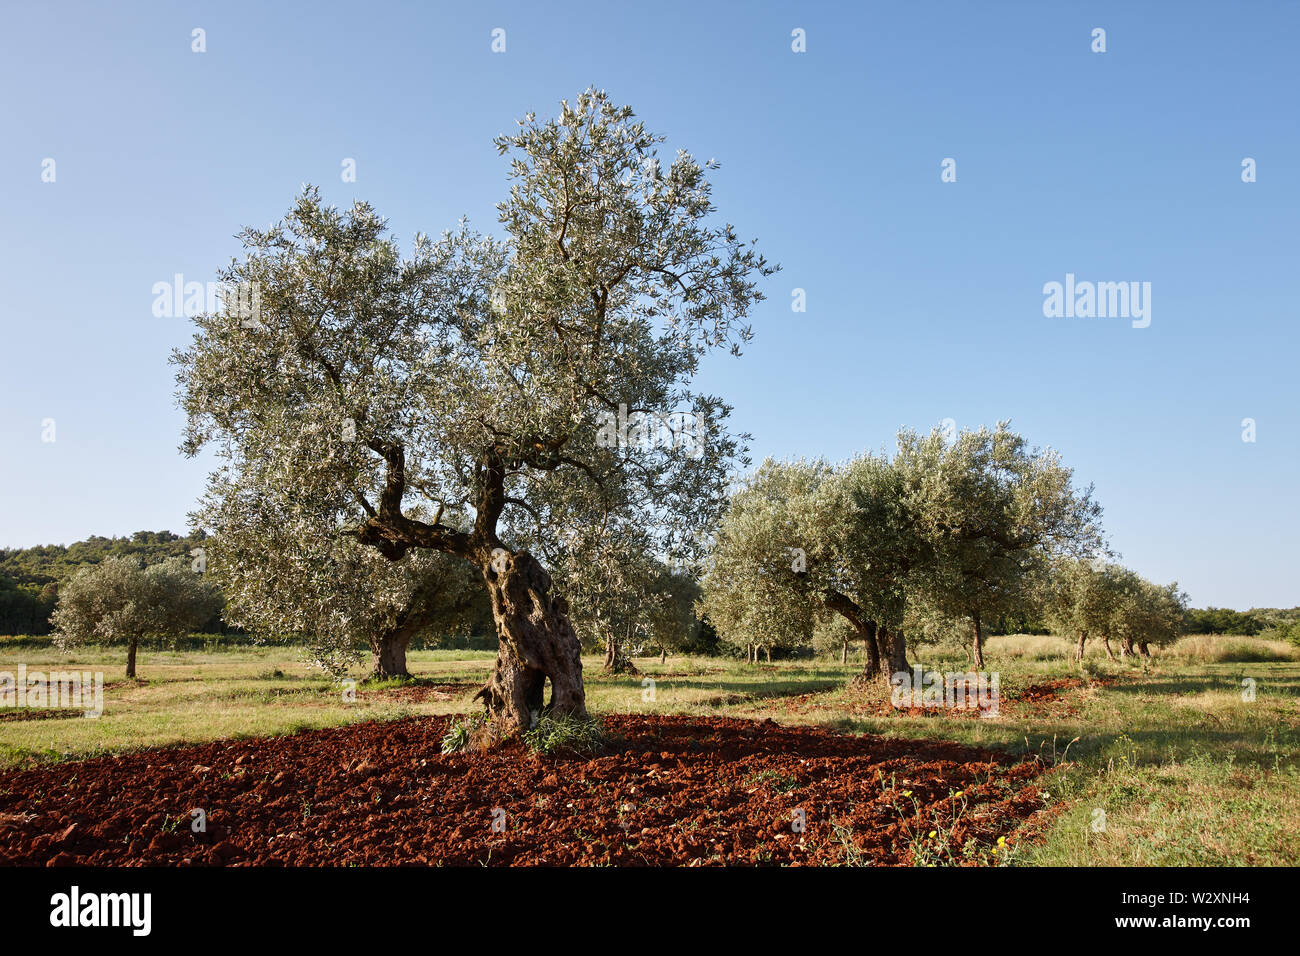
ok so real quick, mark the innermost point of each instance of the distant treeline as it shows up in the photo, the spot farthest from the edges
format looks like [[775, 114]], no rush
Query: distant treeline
[[30, 577], [1222, 620], [30, 580]]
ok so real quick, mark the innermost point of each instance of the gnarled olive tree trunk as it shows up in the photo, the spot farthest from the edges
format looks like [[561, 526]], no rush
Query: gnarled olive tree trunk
[[537, 642], [1078, 650]]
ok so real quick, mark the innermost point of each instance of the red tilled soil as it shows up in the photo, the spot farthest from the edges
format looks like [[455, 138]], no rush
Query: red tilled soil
[[670, 791]]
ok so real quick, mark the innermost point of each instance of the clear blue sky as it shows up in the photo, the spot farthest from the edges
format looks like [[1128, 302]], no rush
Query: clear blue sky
[[924, 298]]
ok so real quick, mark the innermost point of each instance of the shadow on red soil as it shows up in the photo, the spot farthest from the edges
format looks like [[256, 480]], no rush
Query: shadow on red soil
[[670, 791], [1049, 699], [420, 693]]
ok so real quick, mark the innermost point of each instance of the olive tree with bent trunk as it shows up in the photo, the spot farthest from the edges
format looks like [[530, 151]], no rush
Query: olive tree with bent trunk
[[523, 383], [803, 541]]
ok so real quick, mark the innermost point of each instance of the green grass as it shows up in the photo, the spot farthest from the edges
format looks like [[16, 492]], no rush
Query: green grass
[[1186, 771], [245, 691]]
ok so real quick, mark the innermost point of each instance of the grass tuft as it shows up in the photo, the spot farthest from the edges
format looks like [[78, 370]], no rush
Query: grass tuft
[[559, 733]]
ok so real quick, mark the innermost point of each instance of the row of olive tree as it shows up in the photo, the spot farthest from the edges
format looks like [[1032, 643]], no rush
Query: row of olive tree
[[945, 531], [1096, 599]]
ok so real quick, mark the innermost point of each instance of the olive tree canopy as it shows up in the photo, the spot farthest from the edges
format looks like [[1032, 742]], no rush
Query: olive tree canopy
[[802, 540], [938, 532]]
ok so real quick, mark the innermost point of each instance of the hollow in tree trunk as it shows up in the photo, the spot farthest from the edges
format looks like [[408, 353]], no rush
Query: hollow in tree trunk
[[536, 642], [978, 646], [130, 656]]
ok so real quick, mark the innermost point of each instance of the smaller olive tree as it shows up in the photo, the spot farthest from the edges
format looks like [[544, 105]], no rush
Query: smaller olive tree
[[609, 578], [118, 600], [673, 624], [1148, 613], [756, 590], [833, 635], [1083, 597], [993, 514], [300, 577]]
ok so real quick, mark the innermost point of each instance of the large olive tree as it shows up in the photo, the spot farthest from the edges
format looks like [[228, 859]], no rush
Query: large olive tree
[[524, 383]]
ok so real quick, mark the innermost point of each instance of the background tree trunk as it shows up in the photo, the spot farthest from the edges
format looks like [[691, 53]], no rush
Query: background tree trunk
[[978, 647], [130, 656], [389, 649], [844, 653], [1105, 641], [872, 667], [537, 641], [895, 647], [616, 661], [1078, 651], [1144, 650], [1126, 646]]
